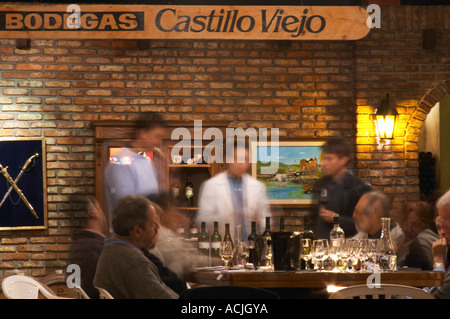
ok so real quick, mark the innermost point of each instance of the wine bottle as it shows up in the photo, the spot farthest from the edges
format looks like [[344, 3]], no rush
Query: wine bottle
[[281, 223], [216, 239], [204, 242], [193, 230], [189, 192], [307, 231], [253, 256], [175, 192], [337, 232], [266, 251], [227, 238], [181, 232]]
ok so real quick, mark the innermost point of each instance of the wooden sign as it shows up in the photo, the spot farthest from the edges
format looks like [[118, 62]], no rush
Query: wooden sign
[[49, 21]]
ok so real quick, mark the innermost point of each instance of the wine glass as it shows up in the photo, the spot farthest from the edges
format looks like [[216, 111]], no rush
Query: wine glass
[[345, 251], [243, 252], [363, 253], [320, 251], [374, 250], [334, 252], [306, 251], [323, 197], [226, 252]]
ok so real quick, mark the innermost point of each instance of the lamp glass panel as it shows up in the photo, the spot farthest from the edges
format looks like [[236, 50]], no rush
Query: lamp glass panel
[[386, 125]]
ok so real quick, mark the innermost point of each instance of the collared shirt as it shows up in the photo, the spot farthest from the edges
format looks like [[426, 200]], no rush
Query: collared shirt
[[237, 198], [131, 174]]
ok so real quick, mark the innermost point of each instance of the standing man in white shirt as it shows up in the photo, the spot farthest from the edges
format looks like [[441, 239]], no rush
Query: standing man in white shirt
[[234, 197]]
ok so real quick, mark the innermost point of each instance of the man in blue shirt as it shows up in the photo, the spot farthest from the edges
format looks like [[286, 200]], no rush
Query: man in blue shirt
[[132, 172]]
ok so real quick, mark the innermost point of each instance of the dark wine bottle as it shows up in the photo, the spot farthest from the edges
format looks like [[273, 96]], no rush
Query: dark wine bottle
[[204, 242], [253, 255], [227, 236], [281, 223], [216, 239], [189, 192], [307, 233], [266, 251]]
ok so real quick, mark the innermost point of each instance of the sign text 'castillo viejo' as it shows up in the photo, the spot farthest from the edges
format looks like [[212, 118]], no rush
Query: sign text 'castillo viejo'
[[184, 22]]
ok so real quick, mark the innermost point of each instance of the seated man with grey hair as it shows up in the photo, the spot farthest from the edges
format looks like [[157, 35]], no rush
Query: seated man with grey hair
[[440, 248], [122, 269], [368, 212]]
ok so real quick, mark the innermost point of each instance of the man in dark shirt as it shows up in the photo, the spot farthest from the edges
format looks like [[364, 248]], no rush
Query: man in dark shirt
[[339, 189]]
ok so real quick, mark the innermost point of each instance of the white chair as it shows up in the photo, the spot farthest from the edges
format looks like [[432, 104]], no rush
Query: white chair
[[104, 294], [79, 293], [24, 287], [385, 291]]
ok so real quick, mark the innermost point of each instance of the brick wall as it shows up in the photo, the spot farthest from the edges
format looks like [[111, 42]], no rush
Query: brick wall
[[311, 89]]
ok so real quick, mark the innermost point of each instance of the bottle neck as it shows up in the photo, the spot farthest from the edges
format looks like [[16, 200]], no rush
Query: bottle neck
[[253, 228], [268, 224], [386, 228]]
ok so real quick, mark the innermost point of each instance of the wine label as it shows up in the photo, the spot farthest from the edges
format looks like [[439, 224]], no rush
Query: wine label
[[189, 192], [251, 244], [204, 245], [215, 244]]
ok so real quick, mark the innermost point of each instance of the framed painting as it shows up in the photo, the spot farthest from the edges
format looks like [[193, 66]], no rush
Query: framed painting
[[288, 169], [23, 187]]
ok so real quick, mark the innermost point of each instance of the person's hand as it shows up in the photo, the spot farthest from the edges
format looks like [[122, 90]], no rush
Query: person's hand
[[439, 249], [326, 215]]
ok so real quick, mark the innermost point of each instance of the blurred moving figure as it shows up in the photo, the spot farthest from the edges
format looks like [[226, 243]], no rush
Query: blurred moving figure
[[173, 252], [88, 241], [132, 171], [234, 197], [339, 190]]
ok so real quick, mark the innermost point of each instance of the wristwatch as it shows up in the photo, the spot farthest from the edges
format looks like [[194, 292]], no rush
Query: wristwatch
[[437, 265]]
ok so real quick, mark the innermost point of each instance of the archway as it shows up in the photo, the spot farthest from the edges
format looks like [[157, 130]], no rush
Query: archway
[[428, 131]]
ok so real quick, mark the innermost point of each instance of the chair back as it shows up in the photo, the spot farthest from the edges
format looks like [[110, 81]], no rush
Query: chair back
[[79, 293], [385, 291], [228, 292], [104, 294], [20, 287], [25, 287]]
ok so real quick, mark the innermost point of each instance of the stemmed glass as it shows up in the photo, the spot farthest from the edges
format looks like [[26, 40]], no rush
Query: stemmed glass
[[226, 251], [320, 251], [306, 251], [374, 250], [243, 252], [334, 252], [363, 253], [345, 252]]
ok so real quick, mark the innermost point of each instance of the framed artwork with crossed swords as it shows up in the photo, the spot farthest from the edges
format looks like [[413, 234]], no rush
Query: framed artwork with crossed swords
[[23, 184]]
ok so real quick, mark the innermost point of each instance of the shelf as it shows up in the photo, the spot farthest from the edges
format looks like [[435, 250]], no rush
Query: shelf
[[187, 208]]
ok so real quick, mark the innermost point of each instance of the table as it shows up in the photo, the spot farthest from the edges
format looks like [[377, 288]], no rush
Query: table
[[312, 279]]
